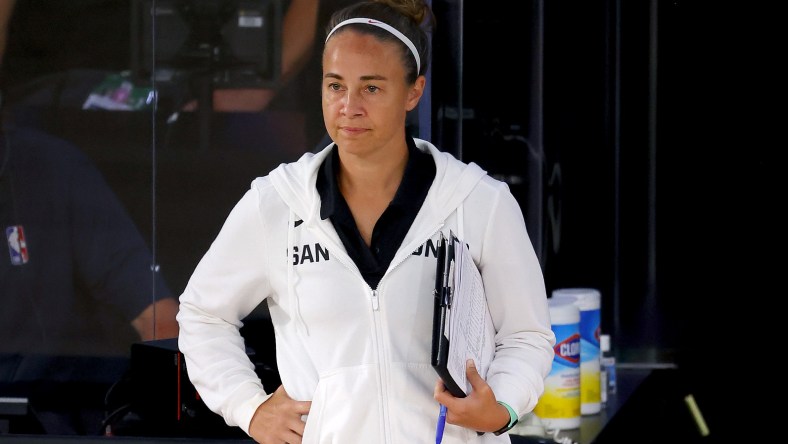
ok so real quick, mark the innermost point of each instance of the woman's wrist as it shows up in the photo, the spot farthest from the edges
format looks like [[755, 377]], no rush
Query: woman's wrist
[[511, 419]]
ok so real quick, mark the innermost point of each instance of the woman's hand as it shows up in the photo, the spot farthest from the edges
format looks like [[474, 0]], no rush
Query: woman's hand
[[479, 410], [278, 419]]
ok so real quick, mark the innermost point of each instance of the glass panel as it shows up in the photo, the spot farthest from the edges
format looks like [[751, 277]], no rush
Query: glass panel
[[76, 281]]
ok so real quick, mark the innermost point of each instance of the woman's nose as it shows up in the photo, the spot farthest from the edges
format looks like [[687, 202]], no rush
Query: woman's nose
[[352, 104]]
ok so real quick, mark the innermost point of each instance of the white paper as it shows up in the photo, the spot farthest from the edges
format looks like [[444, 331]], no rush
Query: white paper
[[471, 332]]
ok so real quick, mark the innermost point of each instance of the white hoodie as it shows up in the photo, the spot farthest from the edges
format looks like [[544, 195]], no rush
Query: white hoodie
[[361, 354]]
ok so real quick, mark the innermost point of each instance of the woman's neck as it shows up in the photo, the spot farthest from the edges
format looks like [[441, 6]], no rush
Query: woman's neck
[[369, 187], [365, 176]]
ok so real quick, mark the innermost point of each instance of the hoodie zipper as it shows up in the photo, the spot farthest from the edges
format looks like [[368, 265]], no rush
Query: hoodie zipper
[[375, 301], [383, 362]]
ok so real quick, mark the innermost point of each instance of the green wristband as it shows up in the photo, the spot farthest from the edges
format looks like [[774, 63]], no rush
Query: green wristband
[[512, 419]]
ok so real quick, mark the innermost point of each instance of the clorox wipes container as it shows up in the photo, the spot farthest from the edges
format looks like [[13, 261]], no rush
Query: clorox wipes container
[[559, 406], [589, 301]]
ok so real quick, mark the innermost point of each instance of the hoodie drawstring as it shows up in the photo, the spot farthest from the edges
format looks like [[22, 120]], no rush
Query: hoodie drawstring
[[460, 225], [292, 276]]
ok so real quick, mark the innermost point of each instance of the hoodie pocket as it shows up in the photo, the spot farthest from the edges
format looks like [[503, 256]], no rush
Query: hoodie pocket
[[346, 408]]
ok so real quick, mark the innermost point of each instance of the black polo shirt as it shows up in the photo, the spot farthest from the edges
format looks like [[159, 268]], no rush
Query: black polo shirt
[[85, 273], [393, 224]]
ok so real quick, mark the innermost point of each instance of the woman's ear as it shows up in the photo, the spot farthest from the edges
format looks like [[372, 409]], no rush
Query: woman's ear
[[415, 92]]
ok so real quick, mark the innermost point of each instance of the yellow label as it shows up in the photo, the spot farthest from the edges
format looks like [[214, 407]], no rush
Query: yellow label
[[561, 398]]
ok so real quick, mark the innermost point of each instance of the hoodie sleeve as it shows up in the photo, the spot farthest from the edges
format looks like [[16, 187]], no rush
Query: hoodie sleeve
[[516, 296], [227, 284]]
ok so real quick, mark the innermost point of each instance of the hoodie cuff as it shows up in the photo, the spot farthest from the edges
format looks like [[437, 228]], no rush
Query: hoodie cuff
[[245, 411]]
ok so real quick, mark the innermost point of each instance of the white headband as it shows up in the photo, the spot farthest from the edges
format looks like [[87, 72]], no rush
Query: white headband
[[388, 28]]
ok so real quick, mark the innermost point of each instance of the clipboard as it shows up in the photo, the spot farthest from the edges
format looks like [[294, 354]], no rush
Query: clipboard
[[444, 280], [462, 324]]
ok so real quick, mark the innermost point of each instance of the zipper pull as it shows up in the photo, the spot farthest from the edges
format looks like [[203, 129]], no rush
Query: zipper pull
[[375, 304]]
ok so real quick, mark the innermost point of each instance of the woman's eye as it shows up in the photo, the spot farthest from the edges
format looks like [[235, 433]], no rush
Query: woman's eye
[[334, 86]]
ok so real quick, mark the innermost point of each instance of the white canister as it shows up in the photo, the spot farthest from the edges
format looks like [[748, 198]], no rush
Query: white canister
[[589, 301], [559, 405]]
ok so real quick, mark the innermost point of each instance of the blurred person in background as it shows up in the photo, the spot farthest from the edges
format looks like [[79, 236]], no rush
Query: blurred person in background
[[76, 277]]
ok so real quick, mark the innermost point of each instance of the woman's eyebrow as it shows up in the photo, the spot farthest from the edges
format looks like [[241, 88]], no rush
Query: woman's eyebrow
[[366, 77]]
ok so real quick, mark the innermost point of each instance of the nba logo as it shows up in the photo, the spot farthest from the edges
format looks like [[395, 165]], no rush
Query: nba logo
[[17, 247]]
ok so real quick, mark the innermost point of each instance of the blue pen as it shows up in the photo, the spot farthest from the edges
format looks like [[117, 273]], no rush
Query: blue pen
[[441, 425]]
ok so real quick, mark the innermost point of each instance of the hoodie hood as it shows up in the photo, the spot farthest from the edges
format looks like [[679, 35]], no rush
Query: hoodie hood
[[454, 180]]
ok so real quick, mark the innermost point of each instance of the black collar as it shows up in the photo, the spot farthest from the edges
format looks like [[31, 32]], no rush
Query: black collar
[[417, 178]]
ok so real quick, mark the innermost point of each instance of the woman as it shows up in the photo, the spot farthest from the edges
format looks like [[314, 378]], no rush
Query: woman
[[352, 302]]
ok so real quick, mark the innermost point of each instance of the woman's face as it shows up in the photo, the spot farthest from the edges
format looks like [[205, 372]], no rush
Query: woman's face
[[365, 96]]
